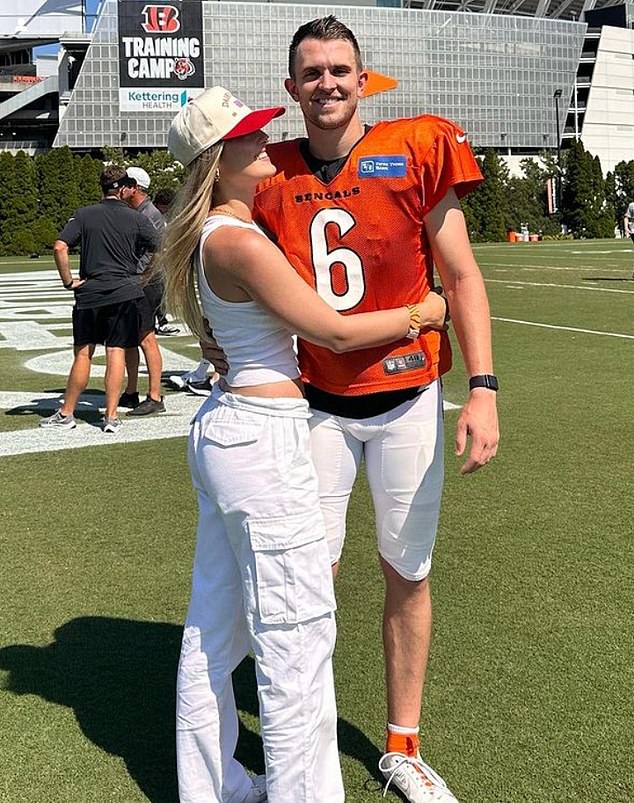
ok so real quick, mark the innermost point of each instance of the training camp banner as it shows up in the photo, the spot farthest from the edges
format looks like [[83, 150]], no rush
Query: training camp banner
[[160, 55]]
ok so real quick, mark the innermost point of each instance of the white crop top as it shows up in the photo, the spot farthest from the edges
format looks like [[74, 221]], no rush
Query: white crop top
[[258, 346]]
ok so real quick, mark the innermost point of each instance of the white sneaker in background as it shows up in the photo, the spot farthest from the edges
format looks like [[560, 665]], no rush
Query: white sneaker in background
[[197, 376], [111, 425], [58, 421], [177, 381]]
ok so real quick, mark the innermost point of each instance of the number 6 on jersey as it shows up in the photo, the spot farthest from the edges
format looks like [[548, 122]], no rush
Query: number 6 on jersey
[[323, 261]]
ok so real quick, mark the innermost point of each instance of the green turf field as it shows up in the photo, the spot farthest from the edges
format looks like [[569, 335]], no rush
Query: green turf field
[[530, 695]]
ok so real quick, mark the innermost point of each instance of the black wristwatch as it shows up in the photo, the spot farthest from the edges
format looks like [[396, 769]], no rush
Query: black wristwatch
[[69, 285], [489, 381]]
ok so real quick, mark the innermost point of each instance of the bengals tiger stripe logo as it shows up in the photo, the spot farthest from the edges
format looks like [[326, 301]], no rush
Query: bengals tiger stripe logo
[[160, 19]]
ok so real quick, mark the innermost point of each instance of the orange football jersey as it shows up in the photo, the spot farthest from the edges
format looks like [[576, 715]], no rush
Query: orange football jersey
[[360, 241]]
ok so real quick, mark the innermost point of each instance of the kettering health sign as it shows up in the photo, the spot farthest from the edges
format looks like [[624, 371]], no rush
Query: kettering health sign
[[160, 55]]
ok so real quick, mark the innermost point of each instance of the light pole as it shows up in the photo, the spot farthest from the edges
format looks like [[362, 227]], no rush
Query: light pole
[[556, 96]]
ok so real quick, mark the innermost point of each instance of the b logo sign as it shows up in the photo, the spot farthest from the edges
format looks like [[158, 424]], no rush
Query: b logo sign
[[160, 19]]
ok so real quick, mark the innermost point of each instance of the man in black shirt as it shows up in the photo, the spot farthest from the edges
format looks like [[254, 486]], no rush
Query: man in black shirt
[[136, 196], [107, 294]]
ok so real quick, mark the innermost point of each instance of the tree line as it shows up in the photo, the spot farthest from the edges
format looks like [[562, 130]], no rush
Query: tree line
[[587, 205], [40, 193]]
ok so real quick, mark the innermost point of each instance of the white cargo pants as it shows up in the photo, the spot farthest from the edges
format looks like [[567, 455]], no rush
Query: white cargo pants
[[261, 582]]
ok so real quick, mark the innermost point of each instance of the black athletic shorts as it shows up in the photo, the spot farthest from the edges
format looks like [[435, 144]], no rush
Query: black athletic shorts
[[113, 325], [150, 305]]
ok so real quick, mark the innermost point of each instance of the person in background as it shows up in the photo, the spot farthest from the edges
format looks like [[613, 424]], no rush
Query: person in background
[[162, 200], [261, 576], [136, 196], [628, 223], [108, 296]]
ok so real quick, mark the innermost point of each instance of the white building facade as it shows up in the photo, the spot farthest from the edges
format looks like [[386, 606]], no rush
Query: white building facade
[[607, 130]]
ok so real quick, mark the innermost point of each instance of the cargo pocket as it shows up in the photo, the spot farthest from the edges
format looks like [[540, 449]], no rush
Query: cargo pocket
[[292, 569], [233, 432]]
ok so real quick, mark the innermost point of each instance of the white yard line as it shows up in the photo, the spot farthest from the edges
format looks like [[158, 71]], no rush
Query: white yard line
[[30, 275], [565, 328], [621, 244], [174, 423], [593, 288], [523, 266]]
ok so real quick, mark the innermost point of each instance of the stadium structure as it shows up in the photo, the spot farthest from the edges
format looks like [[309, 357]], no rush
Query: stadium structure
[[520, 76]]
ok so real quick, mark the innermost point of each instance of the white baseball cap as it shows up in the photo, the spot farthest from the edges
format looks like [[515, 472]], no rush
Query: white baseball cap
[[214, 115], [139, 175]]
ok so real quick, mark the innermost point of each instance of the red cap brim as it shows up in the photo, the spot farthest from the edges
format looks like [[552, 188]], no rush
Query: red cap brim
[[255, 121]]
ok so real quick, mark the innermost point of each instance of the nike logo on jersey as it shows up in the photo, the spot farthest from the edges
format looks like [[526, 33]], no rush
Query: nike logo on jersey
[[382, 167], [460, 138]]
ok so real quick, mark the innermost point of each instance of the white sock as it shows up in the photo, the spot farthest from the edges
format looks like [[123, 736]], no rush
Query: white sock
[[400, 729]]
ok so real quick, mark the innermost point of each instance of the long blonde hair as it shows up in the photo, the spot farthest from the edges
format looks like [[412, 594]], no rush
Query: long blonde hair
[[176, 264]]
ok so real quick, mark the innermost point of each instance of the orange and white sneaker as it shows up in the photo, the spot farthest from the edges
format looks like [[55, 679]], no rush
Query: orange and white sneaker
[[415, 779]]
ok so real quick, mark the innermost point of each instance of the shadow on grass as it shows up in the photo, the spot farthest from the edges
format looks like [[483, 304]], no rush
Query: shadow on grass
[[88, 406], [628, 279], [118, 676], [94, 417]]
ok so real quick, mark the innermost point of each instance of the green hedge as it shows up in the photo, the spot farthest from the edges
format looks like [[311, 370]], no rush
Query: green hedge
[[40, 193]]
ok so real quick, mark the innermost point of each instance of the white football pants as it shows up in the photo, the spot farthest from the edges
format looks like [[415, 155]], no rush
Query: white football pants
[[403, 453], [261, 582]]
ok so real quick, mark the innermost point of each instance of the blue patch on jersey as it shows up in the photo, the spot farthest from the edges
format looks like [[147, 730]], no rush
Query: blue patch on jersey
[[382, 167]]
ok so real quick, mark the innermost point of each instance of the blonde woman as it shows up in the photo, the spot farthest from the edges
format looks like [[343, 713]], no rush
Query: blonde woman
[[261, 576]]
